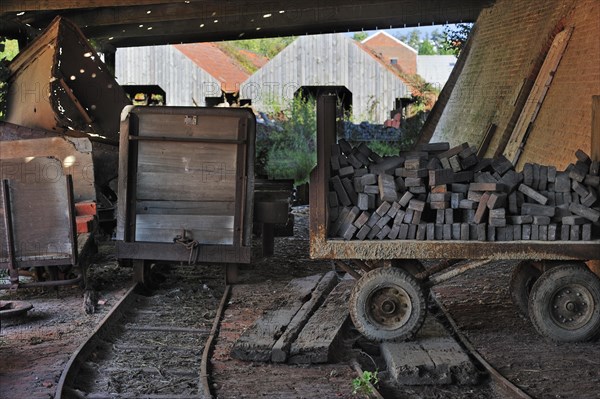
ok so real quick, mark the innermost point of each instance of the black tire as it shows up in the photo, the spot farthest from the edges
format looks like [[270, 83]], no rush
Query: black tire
[[564, 304], [524, 275], [412, 266], [388, 304]]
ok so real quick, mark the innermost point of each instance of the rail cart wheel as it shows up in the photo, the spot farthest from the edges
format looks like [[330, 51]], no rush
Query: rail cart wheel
[[564, 304], [142, 273], [524, 275], [412, 266], [388, 304]]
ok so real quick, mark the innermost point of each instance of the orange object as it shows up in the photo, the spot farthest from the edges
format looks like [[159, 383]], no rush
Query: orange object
[[85, 208], [85, 224]]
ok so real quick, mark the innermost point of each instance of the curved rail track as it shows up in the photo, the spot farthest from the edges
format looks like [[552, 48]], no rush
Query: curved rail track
[[158, 345], [150, 345]]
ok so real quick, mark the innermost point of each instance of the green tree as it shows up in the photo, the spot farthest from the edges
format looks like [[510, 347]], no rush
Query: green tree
[[360, 36], [455, 37], [8, 51], [413, 39], [426, 47], [268, 47]]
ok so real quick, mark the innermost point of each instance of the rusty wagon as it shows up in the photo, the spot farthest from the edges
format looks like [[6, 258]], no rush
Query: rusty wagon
[[561, 293]]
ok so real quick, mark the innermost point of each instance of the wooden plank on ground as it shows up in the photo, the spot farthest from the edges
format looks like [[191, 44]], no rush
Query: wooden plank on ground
[[282, 346], [256, 343], [318, 339]]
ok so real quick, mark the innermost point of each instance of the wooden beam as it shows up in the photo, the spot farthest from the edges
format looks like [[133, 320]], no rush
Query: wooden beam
[[39, 5], [595, 153]]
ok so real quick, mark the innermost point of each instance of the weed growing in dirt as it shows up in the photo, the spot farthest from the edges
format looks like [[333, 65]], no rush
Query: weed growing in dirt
[[363, 385]]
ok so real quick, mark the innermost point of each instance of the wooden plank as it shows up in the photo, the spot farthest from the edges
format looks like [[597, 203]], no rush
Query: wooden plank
[[517, 140], [202, 228], [282, 346], [203, 126], [257, 342], [317, 341], [191, 172], [595, 153]]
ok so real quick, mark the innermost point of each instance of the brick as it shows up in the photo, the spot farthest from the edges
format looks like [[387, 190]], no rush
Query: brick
[[590, 199], [418, 190], [345, 147], [449, 216], [439, 205], [474, 196], [368, 179], [440, 197], [416, 205], [335, 163], [563, 183], [335, 227], [552, 232], [362, 219], [374, 231], [481, 212], [464, 232], [491, 233], [541, 220], [520, 219], [417, 217], [348, 232], [441, 176], [595, 168], [454, 162], [363, 232], [526, 232], [364, 149], [586, 232], [537, 209], [400, 185], [535, 232], [405, 199], [362, 201], [421, 231], [528, 174], [459, 188], [455, 200], [469, 162], [442, 188], [584, 211], [543, 184], [536, 176], [383, 208], [482, 232], [591, 180], [346, 171], [517, 233], [349, 187], [496, 200], [467, 204], [384, 232], [464, 176], [371, 189], [341, 192], [403, 233], [413, 182], [415, 164], [456, 231], [387, 165], [583, 157], [440, 216], [373, 219], [387, 188], [408, 217], [551, 174], [447, 232], [439, 232], [543, 233], [534, 195], [580, 189], [435, 147], [394, 208], [578, 171], [453, 151], [511, 180], [575, 233], [360, 172], [412, 232], [565, 232], [383, 221], [487, 187], [501, 164]]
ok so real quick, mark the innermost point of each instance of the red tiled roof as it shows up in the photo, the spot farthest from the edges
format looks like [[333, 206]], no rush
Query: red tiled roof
[[386, 47], [217, 63]]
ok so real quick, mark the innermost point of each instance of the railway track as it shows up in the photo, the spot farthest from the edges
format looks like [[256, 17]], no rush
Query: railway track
[[151, 345], [158, 345]]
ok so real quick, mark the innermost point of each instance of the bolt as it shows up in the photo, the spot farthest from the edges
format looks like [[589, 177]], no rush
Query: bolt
[[568, 291]]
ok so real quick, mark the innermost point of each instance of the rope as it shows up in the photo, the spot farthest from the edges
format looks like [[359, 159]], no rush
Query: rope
[[190, 244]]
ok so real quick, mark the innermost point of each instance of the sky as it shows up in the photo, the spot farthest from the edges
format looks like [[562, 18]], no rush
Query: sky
[[405, 31]]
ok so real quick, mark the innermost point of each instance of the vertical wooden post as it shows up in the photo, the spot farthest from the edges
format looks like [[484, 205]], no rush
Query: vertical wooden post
[[595, 152]]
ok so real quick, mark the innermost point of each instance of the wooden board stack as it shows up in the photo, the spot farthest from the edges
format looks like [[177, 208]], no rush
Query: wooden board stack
[[442, 193]]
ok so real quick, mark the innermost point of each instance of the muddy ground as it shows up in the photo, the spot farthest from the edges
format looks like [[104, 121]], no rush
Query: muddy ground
[[34, 349]]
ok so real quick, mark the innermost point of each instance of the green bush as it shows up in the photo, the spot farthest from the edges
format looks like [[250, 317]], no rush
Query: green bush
[[291, 151]]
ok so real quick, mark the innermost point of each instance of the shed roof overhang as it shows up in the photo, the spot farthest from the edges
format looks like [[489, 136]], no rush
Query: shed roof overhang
[[125, 23]]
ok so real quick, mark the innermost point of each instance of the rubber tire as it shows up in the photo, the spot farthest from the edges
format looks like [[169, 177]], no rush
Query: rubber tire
[[523, 276], [412, 266], [380, 278], [541, 296]]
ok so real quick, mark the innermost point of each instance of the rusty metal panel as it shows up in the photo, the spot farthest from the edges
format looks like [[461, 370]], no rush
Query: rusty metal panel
[[75, 155], [41, 223], [186, 175], [59, 83]]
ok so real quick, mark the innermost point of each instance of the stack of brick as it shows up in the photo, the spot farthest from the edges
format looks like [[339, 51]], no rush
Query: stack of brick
[[443, 193]]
